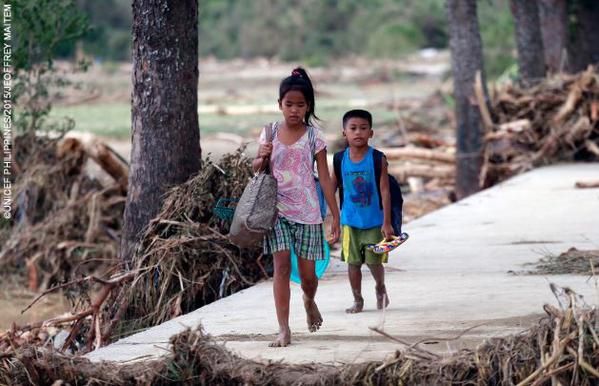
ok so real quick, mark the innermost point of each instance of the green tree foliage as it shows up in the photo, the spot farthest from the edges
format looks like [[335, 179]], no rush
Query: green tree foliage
[[319, 29], [312, 31], [109, 33], [41, 29], [497, 33]]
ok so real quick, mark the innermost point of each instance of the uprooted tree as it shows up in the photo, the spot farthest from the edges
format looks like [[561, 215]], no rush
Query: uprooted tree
[[165, 132]]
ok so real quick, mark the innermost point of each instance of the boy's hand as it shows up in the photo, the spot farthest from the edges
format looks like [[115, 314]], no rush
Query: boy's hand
[[387, 231], [335, 231], [264, 150]]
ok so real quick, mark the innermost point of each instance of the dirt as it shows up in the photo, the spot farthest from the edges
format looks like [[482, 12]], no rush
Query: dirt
[[13, 300]]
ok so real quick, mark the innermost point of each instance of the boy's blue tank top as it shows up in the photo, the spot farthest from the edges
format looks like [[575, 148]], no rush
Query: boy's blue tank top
[[360, 194]]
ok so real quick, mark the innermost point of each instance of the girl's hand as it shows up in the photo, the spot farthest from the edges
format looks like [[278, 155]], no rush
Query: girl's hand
[[387, 231], [334, 231], [264, 150]]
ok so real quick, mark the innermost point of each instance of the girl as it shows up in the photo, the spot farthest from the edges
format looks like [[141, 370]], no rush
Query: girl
[[293, 146]]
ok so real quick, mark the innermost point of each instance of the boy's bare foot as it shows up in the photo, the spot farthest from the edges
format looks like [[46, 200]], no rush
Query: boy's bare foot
[[313, 316], [382, 300], [282, 340], [358, 306]]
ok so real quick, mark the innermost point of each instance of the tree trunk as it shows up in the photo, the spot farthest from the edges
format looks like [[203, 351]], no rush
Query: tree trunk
[[165, 133], [585, 39], [554, 29], [531, 62], [466, 61]]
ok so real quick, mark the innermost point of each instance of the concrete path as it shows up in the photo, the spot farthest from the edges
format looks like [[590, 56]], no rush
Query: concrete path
[[452, 274]]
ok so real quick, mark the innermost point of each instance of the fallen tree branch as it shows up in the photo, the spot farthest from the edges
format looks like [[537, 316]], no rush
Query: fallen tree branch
[[587, 184], [420, 351], [402, 172], [482, 103], [411, 152]]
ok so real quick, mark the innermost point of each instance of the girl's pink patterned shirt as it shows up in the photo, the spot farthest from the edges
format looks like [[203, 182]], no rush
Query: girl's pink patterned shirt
[[293, 169]]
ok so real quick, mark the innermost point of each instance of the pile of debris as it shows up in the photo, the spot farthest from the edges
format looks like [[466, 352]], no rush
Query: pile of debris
[[557, 120], [185, 260], [562, 349], [66, 221], [573, 261]]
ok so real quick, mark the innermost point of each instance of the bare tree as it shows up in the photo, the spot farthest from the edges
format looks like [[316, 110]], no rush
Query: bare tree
[[531, 62], [554, 29], [165, 132], [466, 61]]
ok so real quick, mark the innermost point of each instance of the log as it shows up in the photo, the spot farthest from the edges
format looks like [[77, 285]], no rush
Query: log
[[426, 141], [587, 184], [594, 111], [402, 172], [509, 128], [481, 102], [573, 97], [592, 147], [418, 153], [516, 126], [109, 160], [416, 184]]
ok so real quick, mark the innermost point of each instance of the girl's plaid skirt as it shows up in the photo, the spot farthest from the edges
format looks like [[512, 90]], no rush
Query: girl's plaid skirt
[[306, 239]]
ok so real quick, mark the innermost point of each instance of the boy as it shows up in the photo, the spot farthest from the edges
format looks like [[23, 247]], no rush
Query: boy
[[365, 216]]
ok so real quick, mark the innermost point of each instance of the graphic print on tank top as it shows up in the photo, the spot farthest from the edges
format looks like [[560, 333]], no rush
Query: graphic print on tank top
[[361, 189]]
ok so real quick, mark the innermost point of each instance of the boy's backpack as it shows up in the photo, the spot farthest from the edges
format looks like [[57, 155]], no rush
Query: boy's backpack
[[394, 189]]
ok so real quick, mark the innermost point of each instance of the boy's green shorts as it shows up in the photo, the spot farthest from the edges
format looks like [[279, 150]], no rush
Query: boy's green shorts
[[353, 245]]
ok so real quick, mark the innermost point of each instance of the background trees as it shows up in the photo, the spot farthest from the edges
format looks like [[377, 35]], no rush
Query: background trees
[[312, 31], [531, 62]]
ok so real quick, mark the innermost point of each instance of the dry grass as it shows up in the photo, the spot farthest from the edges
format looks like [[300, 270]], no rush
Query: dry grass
[[562, 349]]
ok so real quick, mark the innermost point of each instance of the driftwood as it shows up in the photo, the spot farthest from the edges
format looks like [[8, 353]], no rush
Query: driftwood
[[402, 172], [481, 101], [556, 120], [110, 161], [587, 184], [410, 152]]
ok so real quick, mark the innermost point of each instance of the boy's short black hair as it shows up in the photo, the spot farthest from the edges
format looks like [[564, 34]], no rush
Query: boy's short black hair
[[358, 113]]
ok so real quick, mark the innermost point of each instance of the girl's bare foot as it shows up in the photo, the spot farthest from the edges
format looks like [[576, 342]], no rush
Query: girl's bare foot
[[313, 316], [382, 300], [283, 339], [358, 306]]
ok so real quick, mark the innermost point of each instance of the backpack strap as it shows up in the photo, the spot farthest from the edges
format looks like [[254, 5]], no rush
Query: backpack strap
[[337, 158], [377, 159]]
